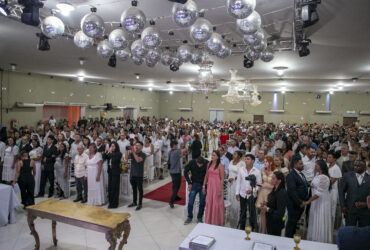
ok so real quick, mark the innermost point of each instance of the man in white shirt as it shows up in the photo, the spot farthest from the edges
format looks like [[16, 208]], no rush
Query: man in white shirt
[[309, 164], [247, 185], [123, 143], [80, 164], [344, 155], [73, 151], [233, 147]]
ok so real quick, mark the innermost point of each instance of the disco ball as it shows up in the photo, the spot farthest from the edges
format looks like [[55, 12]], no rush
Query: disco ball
[[267, 55], [118, 39], [150, 64], [214, 44], [133, 20], [92, 25], [153, 55], [254, 39], [196, 56], [104, 49], [184, 15], [82, 41], [176, 61], [250, 24], [224, 52], [52, 27], [166, 58], [240, 9], [138, 49], [184, 53], [137, 60], [151, 38], [201, 30], [260, 47], [123, 54], [252, 55]]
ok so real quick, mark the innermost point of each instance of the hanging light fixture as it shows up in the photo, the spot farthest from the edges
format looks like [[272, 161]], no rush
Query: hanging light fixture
[[232, 95], [205, 82]]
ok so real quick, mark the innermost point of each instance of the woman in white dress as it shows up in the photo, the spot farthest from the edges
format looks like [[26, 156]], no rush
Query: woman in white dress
[[234, 167], [212, 141], [148, 150], [95, 186], [35, 154], [320, 219], [10, 161], [254, 147], [61, 167], [158, 155], [335, 174]]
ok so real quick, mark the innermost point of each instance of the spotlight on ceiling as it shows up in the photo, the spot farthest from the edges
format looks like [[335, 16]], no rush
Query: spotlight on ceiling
[[247, 63], [174, 67], [150, 89], [331, 91], [65, 8], [81, 78], [82, 61], [303, 49], [31, 15], [309, 13], [280, 70], [112, 61], [43, 42], [171, 92], [137, 76], [3, 8]]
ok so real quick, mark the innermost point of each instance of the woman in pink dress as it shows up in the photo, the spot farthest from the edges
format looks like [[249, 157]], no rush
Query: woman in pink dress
[[215, 191]]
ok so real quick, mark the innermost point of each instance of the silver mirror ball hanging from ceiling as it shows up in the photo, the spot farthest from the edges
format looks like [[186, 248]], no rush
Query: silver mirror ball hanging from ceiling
[[201, 32]]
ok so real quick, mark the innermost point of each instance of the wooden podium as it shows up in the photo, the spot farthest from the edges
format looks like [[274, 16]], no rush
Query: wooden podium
[[80, 215]]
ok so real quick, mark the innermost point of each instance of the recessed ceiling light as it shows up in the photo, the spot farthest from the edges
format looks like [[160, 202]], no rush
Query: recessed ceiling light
[[283, 91], [340, 88], [137, 76], [331, 91], [150, 89], [80, 78], [171, 92]]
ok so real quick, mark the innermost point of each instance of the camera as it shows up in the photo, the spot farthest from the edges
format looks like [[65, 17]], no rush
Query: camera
[[252, 180], [128, 148]]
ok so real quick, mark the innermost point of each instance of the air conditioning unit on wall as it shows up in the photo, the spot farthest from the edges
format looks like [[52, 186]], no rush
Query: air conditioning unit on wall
[[277, 111], [185, 109], [364, 112], [237, 110], [323, 112], [146, 108], [28, 105]]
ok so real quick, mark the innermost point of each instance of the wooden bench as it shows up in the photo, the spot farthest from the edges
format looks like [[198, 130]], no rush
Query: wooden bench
[[80, 215]]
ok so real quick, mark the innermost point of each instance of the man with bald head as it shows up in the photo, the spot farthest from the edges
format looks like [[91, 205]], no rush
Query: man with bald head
[[80, 164]]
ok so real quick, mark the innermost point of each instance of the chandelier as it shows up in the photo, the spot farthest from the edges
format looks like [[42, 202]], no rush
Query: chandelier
[[249, 96], [205, 82]]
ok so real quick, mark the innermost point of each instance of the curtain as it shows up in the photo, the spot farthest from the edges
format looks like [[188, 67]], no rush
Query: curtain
[[73, 114]]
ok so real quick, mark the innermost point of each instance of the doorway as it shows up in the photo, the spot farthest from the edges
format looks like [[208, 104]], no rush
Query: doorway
[[258, 119], [348, 121], [130, 113], [216, 115]]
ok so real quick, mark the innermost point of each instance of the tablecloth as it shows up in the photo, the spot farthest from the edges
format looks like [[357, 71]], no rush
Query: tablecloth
[[229, 238], [9, 201]]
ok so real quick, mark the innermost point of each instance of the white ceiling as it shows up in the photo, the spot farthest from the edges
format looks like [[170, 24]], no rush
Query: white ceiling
[[340, 48]]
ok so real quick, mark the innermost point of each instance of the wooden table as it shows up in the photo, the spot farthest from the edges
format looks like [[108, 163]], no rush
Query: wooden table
[[80, 215]]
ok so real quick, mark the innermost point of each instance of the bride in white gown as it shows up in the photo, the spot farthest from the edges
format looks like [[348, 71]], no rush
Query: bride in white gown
[[320, 220], [234, 166]]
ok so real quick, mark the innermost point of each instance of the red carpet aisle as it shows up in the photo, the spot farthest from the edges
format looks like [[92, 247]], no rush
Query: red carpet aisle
[[164, 192]]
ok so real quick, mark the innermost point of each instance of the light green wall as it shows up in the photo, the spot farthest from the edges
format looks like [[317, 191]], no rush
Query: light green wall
[[37, 89], [16, 88], [299, 107]]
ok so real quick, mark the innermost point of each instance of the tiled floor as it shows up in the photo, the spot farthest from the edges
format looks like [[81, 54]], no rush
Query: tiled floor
[[155, 227]]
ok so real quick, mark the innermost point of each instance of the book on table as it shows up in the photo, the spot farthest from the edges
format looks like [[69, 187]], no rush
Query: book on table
[[201, 242]]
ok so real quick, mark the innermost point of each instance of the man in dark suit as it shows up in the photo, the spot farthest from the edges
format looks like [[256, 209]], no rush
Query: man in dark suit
[[241, 144], [25, 145], [297, 190], [353, 191], [47, 166], [348, 166]]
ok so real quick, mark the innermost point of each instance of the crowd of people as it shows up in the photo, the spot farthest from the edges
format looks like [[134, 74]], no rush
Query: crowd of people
[[271, 174]]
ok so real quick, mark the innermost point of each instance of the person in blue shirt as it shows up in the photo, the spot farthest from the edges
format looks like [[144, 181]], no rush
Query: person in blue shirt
[[224, 160], [260, 160]]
